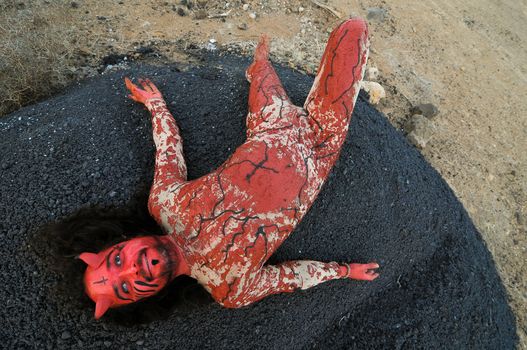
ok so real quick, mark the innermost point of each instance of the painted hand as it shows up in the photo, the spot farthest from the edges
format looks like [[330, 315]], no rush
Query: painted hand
[[364, 272], [148, 92]]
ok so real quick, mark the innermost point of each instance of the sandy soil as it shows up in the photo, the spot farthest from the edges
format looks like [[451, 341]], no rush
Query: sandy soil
[[467, 58]]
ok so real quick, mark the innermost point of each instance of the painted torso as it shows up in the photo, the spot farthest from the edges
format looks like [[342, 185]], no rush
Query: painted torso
[[229, 222]]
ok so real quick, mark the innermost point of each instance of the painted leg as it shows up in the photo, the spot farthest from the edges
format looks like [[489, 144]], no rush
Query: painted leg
[[332, 97], [268, 100]]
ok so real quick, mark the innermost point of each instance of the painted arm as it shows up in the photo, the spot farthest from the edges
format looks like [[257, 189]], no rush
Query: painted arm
[[301, 274], [170, 168], [170, 164]]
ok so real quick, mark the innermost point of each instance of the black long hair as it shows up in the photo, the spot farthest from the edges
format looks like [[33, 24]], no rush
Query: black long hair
[[95, 228]]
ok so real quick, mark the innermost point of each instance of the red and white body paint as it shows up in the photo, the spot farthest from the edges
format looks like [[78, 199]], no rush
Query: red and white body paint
[[227, 224]]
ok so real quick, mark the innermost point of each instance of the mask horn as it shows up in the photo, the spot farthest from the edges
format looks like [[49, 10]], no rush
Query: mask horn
[[101, 306], [93, 260]]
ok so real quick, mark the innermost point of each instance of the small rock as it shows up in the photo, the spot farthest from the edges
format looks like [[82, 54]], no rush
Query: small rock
[[65, 335], [375, 90], [242, 26], [140, 342], [102, 18], [252, 15], [376, 14], [200, 14], [521, 218], [211, 45], [144, 50], [301, 9], [107, 343], [372, 73], [181, 11], [74, 4], [419, 130], [426, 109], [245, 7]]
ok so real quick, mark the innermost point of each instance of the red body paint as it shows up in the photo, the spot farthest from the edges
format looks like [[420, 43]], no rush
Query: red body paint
[[228, 223]]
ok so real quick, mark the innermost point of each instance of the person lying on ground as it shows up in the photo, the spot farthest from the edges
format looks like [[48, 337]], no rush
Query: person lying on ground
[[222, 228]]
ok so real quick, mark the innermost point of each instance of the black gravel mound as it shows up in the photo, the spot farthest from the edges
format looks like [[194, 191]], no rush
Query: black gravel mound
[[91, 146]]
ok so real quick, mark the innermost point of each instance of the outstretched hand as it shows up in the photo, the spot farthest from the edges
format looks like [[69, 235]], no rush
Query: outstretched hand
[[364, 272], [148, 92]]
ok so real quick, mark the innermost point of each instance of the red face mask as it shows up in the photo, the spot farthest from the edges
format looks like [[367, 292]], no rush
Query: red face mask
[[127, 272]]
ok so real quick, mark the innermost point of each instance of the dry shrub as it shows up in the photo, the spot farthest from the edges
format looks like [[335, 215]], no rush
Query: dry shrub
[[36, 50]]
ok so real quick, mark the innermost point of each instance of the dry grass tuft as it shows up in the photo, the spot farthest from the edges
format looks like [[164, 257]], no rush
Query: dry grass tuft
[[36, 54]]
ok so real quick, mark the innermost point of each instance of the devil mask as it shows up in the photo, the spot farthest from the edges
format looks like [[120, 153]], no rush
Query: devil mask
[[128, 271]]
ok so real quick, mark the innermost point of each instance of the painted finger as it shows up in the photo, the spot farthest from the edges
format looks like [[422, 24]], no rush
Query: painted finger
[[371, 277], [129, 85], [152, 87], [145, 85]]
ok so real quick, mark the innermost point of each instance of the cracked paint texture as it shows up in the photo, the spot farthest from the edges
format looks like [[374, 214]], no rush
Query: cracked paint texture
[[229, 222]]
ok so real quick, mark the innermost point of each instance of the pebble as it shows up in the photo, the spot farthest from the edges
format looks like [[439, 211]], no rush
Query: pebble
[[301, 9], [200, 14], [521, 218], [74, 4], [140, 342], [211, 45], [419, 130], [375, 90], [181, 11], [372, 73], [65, 335], [242, 26], [245, 7], [376, 14], [427, 109], [252, 15]]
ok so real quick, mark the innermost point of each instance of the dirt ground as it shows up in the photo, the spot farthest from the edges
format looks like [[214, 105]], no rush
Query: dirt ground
[[467, 58]]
